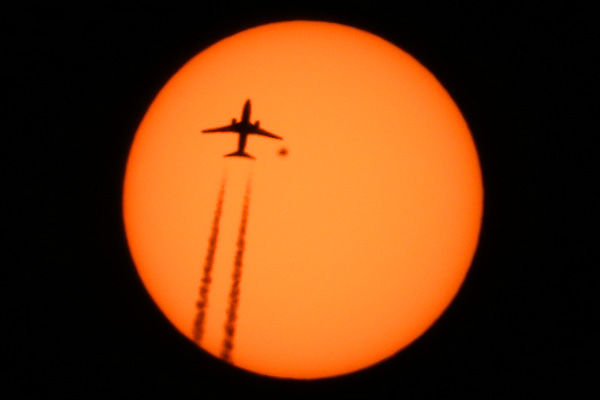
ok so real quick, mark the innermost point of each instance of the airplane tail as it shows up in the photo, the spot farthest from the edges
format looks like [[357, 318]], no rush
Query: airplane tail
[[239, 154]]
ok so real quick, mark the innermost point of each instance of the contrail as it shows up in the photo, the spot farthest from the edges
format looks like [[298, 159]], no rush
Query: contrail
[[234, 294], [208, 265]]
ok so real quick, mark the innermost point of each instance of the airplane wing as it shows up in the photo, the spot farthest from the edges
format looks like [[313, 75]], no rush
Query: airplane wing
[[228, 128], [262, 132]]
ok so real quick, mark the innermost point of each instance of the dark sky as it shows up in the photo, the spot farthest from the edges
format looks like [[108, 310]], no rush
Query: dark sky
[[80, 323]]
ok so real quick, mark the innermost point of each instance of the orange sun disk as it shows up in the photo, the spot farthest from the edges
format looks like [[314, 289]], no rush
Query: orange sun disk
[[356, 241]]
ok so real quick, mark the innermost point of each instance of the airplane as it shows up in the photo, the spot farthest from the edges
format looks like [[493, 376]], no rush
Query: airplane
[[243, 128]]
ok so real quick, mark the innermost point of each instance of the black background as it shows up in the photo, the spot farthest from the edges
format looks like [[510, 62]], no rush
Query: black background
[[78, 321]]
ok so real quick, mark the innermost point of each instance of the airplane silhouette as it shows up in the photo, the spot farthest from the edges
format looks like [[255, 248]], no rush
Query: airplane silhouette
[[243, 128]]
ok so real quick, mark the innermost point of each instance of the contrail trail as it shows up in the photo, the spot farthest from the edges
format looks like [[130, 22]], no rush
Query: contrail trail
[[208, 265], [234, 294]]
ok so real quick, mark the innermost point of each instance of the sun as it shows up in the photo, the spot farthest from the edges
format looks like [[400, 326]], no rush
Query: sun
[[336, 246]]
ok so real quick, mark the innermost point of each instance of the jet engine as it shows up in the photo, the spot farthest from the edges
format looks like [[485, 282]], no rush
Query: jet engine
[[257, 124], [233, 121]]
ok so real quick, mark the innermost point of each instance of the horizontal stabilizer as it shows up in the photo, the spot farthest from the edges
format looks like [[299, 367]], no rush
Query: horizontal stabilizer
[[239, 154]]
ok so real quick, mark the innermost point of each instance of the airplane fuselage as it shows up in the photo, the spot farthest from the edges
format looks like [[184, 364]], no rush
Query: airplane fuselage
[[244, 128]]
